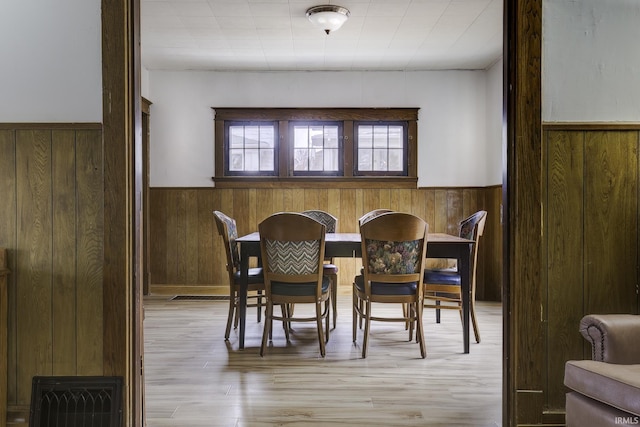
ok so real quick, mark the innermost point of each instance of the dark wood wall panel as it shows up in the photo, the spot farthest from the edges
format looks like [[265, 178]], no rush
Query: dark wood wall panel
[[186, 250], [34, 262], [89, 234], [565, 230], [611, 229], [51, 222], [64, 203], [8, 237], [206, 233], [490, 255], [591, 224]]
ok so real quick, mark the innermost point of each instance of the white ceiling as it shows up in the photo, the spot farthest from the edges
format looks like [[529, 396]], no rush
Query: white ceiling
[[274, 35]]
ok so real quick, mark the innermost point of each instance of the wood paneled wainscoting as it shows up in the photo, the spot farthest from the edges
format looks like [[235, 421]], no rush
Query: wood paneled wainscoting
[[590, 195], [4, 272], [51, 222], [187, 255]]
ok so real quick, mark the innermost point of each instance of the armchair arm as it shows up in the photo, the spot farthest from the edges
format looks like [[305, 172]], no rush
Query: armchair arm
[[614, 338]]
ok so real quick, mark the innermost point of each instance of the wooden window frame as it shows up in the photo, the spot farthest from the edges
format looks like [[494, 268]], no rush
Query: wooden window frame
[[259, 173], [405, 149], [285, 176], [316, 173]]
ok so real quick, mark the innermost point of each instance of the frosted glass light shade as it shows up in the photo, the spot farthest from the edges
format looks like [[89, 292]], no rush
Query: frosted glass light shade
[[328, 17]]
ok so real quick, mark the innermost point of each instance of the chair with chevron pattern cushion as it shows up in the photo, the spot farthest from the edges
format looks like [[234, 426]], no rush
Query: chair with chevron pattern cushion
[[393, 253], [329, 269], [329, 221], [292, 248], [229, 232]]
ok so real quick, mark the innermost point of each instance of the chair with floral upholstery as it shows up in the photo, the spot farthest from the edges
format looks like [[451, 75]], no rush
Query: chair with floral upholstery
[[228, 231], [393, 252], [442, 288], [329, 268], [292, 247], [364, 218]]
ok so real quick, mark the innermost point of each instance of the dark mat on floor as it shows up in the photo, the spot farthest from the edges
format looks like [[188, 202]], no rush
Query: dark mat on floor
[[200, 298]]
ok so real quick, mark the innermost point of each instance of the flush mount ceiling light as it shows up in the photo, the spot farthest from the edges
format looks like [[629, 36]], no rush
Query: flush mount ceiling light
[[328, 17]]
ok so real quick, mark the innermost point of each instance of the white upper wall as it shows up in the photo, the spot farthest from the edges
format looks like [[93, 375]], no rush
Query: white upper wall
[[457, 145], [495, 127], [144, 82], [51, 61], [591, 61], [51, 72]]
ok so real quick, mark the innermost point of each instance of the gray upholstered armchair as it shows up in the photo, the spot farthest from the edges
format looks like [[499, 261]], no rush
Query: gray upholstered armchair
[[605, 391]]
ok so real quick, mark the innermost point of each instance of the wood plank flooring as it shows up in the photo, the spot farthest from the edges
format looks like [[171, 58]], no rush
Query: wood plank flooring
[[193, 378]]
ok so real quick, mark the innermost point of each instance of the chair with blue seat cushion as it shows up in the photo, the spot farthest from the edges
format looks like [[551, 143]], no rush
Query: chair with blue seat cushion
[[366, 217], [393, 254], [292, 248], [442, 288], [229, 232], [329, 269]]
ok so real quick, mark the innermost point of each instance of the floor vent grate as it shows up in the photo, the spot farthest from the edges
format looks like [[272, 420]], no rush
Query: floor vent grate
[[200, 298], [76, 402]]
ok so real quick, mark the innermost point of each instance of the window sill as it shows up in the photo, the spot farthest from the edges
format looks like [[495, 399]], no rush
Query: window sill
[[307, 182]]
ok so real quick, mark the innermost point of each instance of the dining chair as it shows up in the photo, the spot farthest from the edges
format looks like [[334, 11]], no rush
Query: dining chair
[[393, 252], [329, 269], [292, 247], [442, 287], [364, 218], [372, 214], [228, 230]]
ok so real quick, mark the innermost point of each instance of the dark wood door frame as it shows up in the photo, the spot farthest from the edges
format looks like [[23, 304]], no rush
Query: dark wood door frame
[[122, 200], [523, 388], [146, 263], [521, 207]]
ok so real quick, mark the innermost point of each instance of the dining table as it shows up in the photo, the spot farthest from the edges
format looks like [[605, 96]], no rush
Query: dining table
[[348, 245]]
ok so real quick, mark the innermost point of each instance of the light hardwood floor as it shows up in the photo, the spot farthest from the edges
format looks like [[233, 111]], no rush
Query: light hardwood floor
[[195, 379]]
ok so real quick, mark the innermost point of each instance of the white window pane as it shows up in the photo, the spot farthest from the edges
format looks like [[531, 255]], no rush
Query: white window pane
[[365, 161], [301, 160], [252, 160], [365, 136], [380, 137], [331, 158], [236, 136], [316, 136], [300, 136], [236, 160], [331, 136], [316, 130], [266, 160], [380, 160], [395, 160], [316, 161], [267, 137], [252, 136], [395, 136]]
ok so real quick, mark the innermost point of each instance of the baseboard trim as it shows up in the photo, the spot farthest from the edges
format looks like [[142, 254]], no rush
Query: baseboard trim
[[189, 289], [17, 416]]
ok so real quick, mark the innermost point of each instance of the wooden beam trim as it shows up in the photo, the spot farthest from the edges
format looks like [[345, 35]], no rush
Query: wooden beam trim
[[591, 126], [50, 126], [223, 113], [350, 182]]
